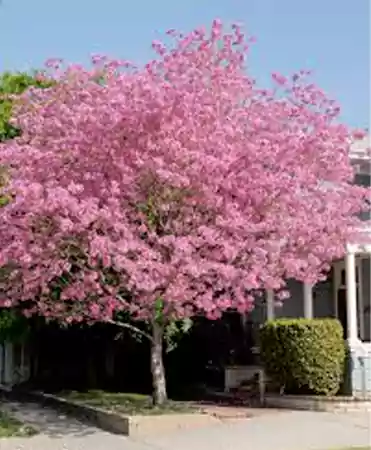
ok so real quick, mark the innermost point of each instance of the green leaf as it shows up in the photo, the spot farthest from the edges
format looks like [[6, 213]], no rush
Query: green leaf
[[14, 84], [159, 310]]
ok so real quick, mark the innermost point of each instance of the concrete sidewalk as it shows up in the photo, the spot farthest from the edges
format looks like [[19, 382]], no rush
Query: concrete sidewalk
[[284, 431], [280, 431]]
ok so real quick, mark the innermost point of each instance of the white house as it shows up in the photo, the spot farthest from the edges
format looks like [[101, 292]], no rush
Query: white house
[[346, 294]]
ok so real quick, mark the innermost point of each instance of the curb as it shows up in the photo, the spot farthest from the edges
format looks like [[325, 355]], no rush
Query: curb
[[318, 403], [112, 422]]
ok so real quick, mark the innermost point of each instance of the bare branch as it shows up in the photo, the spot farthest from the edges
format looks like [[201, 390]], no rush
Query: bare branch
[[133, 328]]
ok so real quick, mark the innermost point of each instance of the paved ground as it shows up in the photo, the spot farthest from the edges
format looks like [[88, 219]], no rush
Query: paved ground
[[281, 431]]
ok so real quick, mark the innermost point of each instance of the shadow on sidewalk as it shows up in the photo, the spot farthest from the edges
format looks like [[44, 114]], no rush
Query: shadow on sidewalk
[[49, 422]]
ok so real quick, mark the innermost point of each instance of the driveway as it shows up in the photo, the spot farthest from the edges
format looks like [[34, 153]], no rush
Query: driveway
[[278, 431]]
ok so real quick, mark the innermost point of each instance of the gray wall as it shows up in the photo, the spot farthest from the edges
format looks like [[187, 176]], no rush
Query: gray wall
[[363, 179], [323, 304], [294, 305], [323, 301]]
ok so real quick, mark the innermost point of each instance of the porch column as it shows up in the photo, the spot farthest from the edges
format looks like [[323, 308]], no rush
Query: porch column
[[270, 304], [308, 300], [350, 274]]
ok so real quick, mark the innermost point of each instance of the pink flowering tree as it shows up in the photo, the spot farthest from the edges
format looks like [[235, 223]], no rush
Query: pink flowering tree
[[171, 190]]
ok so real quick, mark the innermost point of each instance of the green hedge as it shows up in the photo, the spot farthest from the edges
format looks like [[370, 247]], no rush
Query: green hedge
[[304, 356]]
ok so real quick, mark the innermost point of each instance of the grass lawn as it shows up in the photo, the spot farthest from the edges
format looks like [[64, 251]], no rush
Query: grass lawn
[[11, 427], [125, 403]]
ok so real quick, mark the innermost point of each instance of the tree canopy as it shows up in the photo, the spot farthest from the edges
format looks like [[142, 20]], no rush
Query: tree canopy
[[174, 189], [182, 179]]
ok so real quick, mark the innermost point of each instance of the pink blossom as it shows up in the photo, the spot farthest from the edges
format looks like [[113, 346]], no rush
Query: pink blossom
[[358, 134], [182, 179], [279, 79]]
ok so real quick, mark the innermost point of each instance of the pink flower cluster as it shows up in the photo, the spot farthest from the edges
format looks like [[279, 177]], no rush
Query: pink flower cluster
[[181, 180]]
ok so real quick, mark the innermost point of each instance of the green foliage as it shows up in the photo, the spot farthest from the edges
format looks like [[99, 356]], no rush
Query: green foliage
[[159, 308], [11, 427], [174, 332], [4, 200], [173, 329], [13, 327], [304, 356], [14, 84], [126, 403]]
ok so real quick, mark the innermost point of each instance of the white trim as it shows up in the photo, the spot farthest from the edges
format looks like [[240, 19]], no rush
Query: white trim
[[339, 267], [360, 348], [360, 302], [335, 288], [351, 296], [362, 248], [270, 305], [308, 300], [359, 155]]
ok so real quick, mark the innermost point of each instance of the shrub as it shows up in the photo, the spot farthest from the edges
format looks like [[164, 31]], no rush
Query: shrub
[[304, 356]]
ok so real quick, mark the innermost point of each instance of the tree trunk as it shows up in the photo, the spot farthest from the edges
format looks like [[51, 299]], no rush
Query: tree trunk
[[157, 365]]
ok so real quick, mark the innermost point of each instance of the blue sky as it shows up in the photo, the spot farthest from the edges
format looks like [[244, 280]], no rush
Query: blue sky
[[330, 36]]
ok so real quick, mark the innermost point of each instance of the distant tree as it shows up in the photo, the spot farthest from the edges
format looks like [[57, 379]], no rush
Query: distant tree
[[174, 190], [12, 84]]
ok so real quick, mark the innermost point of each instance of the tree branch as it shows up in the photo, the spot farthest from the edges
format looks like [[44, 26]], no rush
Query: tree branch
[[127, 326], [133, 328]]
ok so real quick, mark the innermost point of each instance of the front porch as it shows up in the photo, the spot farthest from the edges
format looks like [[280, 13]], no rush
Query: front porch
[[345, 295]]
